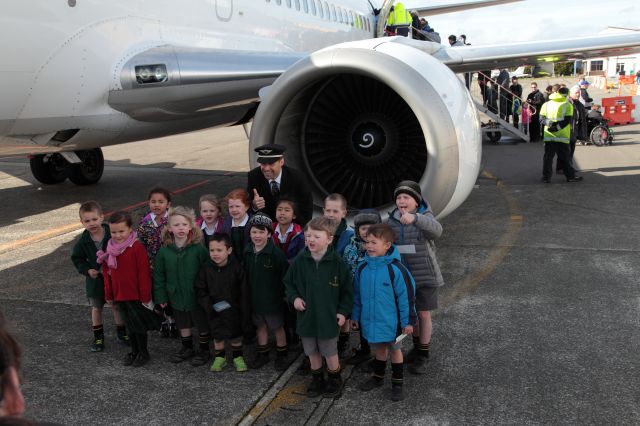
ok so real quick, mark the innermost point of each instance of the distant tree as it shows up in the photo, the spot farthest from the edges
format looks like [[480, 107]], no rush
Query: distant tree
[[563, 68]]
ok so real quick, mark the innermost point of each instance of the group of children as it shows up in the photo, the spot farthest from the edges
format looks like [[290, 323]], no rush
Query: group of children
[[241, 276]]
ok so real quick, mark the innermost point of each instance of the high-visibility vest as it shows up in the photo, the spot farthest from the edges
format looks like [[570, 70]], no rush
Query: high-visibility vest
[[557, 109], [399, 16]]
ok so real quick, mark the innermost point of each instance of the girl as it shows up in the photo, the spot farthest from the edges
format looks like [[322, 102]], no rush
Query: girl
[[150, 233], [176, 268], [210, 220], [127, 282], [236, 224]]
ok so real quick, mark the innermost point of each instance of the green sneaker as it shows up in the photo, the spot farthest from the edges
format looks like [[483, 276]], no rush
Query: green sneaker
[[240, 365], [218, 364]]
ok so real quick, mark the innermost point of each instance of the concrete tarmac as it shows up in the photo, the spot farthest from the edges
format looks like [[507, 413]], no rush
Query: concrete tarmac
[[539, 322]]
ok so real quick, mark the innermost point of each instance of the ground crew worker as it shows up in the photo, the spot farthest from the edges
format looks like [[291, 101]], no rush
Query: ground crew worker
[[399, 20], [556, 116]]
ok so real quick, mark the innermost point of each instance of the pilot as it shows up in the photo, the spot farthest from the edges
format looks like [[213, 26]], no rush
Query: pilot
[[272, 178]]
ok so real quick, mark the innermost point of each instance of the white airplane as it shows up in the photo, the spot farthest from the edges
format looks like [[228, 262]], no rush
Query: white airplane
[[357, 117]]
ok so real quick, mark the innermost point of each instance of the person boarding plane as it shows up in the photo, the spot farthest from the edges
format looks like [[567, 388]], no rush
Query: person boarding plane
[[309, 74]]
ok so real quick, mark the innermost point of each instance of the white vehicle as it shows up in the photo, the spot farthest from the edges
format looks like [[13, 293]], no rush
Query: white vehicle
[[357, 117], [520, 73]]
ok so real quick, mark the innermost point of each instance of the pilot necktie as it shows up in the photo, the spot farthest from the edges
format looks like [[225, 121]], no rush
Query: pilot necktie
[[275, 189]]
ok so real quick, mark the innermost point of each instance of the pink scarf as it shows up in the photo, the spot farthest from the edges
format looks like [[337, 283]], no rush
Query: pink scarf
[[114, 250]]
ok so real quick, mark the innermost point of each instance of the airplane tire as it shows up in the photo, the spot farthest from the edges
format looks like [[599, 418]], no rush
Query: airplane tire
[[494, 137], [90, 170], [48, 169]]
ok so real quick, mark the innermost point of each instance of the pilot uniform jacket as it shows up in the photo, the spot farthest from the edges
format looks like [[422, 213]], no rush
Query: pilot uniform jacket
[[83, 257], [383, 302], [174, 275], [416, 246], [226, 283], [293, 185], [326, 288], [265, 271]]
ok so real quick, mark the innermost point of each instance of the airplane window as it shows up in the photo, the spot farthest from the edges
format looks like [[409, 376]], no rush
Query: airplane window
[[312, 6], [320, 11], [289, 4], [333, 13], [339, 11], [327, 14], [297, 2], [351, 16], [305, 6], [345, 16]]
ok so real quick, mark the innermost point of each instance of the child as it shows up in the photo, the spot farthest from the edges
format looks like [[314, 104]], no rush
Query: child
[[353, 255], [177, 265], [221, 290], [210, 220], [415, 228], [320, 287], [383, 306], [127, 283], [527, 112], [335, 208], [266, 266], [236, 224], [83, 256], [288, 235], [150, 234]]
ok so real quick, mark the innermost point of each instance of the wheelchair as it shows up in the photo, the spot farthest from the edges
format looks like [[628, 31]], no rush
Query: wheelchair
[[600, 133]]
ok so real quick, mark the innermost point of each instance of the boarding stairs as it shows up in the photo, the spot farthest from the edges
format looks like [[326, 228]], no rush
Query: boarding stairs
[[495, 126]]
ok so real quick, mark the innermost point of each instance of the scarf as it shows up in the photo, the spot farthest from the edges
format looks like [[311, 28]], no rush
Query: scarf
[[114, 250]]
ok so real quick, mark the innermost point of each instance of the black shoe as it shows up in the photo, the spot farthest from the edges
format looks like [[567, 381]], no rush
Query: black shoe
[[201, 358], [370, 384], [280, 363], [546, 180], [419, 365], [305, 367], [317, 386], [575, 179], [360, 356], [97, 345], [140, 360], [397, 393], [182, 355], [259, 360], [333, 388], [128, 359]]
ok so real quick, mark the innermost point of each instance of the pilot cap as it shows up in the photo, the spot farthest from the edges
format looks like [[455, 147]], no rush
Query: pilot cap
[[260, 219], [410, 188], [270, 153]]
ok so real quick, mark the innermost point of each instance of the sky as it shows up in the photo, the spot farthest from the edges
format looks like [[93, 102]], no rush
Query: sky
[[532, 19]]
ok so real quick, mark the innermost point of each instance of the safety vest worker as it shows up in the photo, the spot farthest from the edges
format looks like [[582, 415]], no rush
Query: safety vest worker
[[556, 115], [399, 19]]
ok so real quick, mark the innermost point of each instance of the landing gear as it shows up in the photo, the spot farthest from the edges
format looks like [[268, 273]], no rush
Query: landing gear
[[51, 169], [90, 170]]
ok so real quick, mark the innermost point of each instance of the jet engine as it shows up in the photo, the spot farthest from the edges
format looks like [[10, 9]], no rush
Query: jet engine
[[360, 117]]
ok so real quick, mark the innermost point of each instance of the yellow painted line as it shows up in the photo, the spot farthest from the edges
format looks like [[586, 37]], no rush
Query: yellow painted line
[[64, 229], [498, 253]]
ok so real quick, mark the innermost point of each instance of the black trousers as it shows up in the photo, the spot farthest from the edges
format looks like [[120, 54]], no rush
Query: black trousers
[[563, 152], [534, 128], [572, 149]]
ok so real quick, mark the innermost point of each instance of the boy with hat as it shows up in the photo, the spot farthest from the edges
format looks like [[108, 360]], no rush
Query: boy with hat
[[415, 228], [266, 265], [272, 178]]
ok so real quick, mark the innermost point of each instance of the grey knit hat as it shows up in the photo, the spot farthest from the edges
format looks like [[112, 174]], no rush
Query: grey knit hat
[[260, 219], [410, 188], [366, 217]]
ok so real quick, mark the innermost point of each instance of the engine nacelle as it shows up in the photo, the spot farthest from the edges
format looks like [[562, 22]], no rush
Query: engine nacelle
[[360, 117]]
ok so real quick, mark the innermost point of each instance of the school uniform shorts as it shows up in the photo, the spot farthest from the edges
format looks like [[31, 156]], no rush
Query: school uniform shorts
[[188, 319], [325, 347], [97, 302], [272, 321], [426, 298]]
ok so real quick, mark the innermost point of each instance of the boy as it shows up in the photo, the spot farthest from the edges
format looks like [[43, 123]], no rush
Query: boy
[[221, 290], [265, 266], [320, 287], [353, 255], [335, 208], [83, 256], [415, 228], [383, 306], [288, 235]]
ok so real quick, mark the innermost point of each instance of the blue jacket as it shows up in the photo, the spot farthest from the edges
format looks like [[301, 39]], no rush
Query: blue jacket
[[384, 297]]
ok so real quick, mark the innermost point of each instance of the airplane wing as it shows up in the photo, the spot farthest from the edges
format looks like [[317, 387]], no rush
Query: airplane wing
[[477, 58], [459, 7]]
